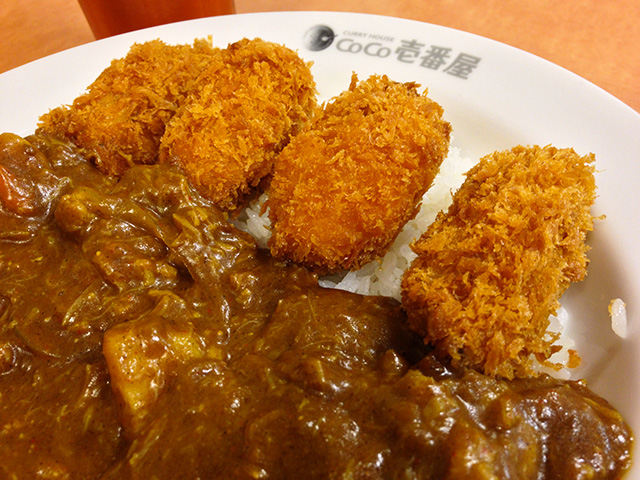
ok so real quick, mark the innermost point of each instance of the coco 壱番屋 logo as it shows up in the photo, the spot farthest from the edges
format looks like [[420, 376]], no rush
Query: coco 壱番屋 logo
[[412, 51]]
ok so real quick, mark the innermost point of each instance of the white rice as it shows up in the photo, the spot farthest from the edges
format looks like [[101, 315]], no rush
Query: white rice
[[558, 324], [618, 311], [250, 220]]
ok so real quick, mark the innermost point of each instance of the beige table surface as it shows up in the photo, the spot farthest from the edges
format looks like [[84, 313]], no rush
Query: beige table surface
[[596, 39]]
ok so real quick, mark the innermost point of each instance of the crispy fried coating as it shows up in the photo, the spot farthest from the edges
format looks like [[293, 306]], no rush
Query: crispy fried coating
[[490, 270], [120, 119], [346, 185], [243, 111]]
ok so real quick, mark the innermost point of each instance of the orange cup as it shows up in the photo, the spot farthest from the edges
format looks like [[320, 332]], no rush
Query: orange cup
[[112, 17]]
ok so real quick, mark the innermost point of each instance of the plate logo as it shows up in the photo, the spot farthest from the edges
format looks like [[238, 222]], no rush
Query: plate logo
[[411, 51], [318, 37]]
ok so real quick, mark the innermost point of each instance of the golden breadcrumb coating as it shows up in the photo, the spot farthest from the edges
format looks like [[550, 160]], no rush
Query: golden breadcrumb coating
[[120, 119], [243, 111], [347, 184], [490, 270]]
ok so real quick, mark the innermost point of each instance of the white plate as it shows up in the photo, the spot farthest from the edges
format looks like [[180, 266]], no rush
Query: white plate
[[494, 96]]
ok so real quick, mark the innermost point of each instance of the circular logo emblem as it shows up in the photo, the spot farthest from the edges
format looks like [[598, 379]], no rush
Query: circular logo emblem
[[318, 37]]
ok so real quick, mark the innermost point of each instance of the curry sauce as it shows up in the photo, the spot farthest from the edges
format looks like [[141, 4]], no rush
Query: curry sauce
[[143, 336]]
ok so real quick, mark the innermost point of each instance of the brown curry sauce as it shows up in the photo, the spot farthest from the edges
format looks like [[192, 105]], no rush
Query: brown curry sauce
[[142, 336]]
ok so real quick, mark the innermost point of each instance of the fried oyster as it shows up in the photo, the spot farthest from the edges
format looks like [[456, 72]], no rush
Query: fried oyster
[[244, 109], [345, 186], [119, 121], [491, 269]]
